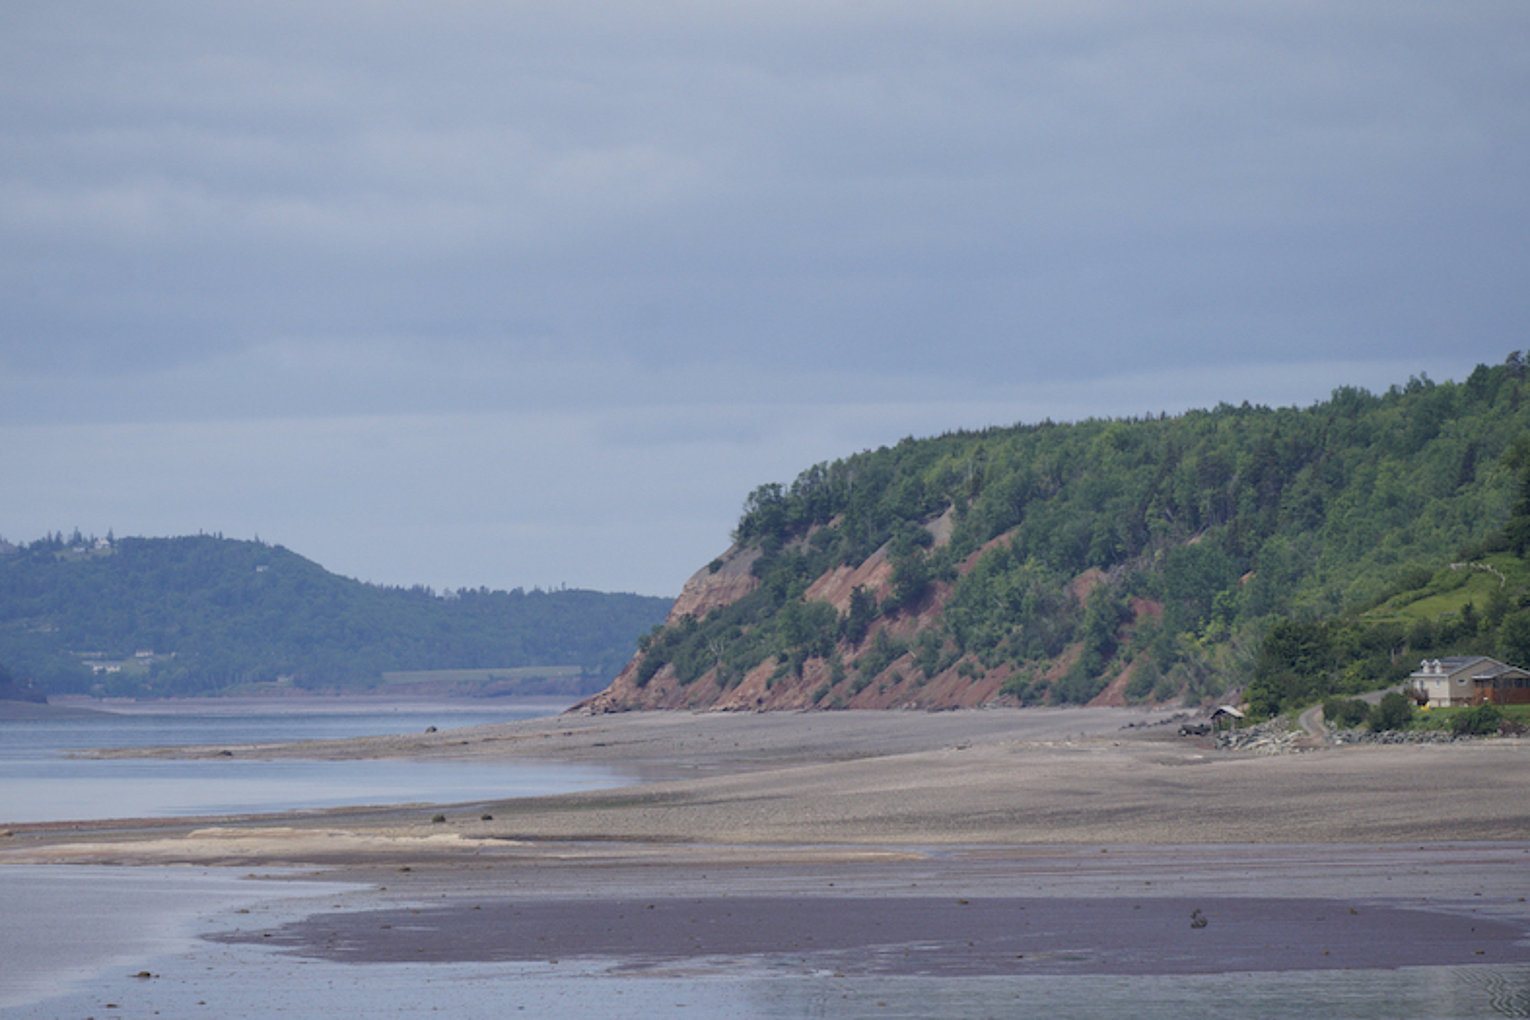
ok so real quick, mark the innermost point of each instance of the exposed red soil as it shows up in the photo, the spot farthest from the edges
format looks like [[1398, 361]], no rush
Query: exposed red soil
[[1082, 586], [875, 575], [1114, 694], [902, 684], [966, 566]]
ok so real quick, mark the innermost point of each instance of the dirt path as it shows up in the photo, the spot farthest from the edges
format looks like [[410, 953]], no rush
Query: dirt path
[[1311, 722]]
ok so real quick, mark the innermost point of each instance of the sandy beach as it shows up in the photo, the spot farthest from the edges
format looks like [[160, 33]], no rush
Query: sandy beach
[[843, 782], [854, 839]]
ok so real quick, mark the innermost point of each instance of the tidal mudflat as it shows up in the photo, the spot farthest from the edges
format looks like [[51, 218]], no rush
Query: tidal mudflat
[[887, 864]]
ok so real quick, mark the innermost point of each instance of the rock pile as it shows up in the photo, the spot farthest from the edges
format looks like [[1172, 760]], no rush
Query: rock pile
[[1273, 737], [1362, 736]]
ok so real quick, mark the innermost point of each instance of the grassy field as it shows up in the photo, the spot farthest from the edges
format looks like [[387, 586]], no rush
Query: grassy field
[[1500, 576]]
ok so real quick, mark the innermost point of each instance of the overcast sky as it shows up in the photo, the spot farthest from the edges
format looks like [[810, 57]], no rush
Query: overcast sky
[[530, 294]]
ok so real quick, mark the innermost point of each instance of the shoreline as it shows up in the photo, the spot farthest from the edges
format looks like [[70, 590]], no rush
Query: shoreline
[[296, 702], [12, 710], [994, 777], [891, 780], [886, 845]]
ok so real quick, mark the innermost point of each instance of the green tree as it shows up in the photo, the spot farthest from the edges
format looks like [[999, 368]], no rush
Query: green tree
[[1394, 712], [1295, 666], [810, 626], [859, 615], [1514, 637], [1517, 530]]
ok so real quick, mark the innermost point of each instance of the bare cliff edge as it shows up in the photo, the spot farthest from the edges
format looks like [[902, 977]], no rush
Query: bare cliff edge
[[838, 680]]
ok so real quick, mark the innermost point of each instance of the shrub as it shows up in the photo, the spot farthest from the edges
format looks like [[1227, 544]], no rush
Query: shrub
[[1345, 712], [858, 618], [1394, 713], [927, 653], [651, 664], [884, 651], [1144, 679], [1025, 688], [1477, 720]]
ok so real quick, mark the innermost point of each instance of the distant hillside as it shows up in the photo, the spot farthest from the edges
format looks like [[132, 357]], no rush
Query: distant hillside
[[202, 614], [10, 690], [1113, 561]]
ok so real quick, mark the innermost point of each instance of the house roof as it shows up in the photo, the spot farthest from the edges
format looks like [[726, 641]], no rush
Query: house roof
[[1497, 670], [1466, 667], [1449, 665]]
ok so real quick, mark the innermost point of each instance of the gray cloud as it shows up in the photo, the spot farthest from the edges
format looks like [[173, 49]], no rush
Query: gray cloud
[[683, 222]]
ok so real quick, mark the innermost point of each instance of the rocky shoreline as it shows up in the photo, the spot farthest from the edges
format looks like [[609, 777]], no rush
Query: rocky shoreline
[[1277, 737]]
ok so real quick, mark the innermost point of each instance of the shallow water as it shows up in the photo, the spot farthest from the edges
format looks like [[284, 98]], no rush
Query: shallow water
[[147, 920], [149, 724], [63, 926], [234, 982], [40, 782]]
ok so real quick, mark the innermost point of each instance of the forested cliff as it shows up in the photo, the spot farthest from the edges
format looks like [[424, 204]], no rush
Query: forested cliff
[[1113, 561]]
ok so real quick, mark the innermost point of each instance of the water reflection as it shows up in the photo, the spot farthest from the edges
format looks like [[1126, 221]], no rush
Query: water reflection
[[223, 980], [40, 782]]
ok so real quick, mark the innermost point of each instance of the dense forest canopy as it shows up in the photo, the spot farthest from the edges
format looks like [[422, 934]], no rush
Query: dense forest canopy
[[199, 614], [1158, 551]]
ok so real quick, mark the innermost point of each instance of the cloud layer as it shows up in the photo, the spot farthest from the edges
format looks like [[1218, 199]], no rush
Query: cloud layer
[[628, 261]]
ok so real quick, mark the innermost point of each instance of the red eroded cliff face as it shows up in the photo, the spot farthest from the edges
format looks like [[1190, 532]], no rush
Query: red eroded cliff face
[[722, 582], [844, 678]]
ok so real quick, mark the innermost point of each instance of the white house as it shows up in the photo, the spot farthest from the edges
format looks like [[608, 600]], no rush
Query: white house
[[1471, 680]]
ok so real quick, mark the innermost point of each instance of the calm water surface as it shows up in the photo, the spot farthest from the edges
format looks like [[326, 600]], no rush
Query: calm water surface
[[64, 927], [40, 781]]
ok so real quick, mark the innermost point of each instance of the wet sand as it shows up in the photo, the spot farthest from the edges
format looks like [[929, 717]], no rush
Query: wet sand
[[1078, 841], [914, 935], [844, 782]]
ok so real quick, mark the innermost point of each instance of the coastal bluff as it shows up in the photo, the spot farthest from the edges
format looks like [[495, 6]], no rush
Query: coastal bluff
[[1270, 554]]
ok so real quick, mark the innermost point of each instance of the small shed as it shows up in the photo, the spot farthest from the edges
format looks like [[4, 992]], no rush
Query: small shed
[[1225, 717]]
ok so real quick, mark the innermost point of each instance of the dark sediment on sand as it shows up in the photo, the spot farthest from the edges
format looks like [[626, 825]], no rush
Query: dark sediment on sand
[[12, 709], [939, 936]]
